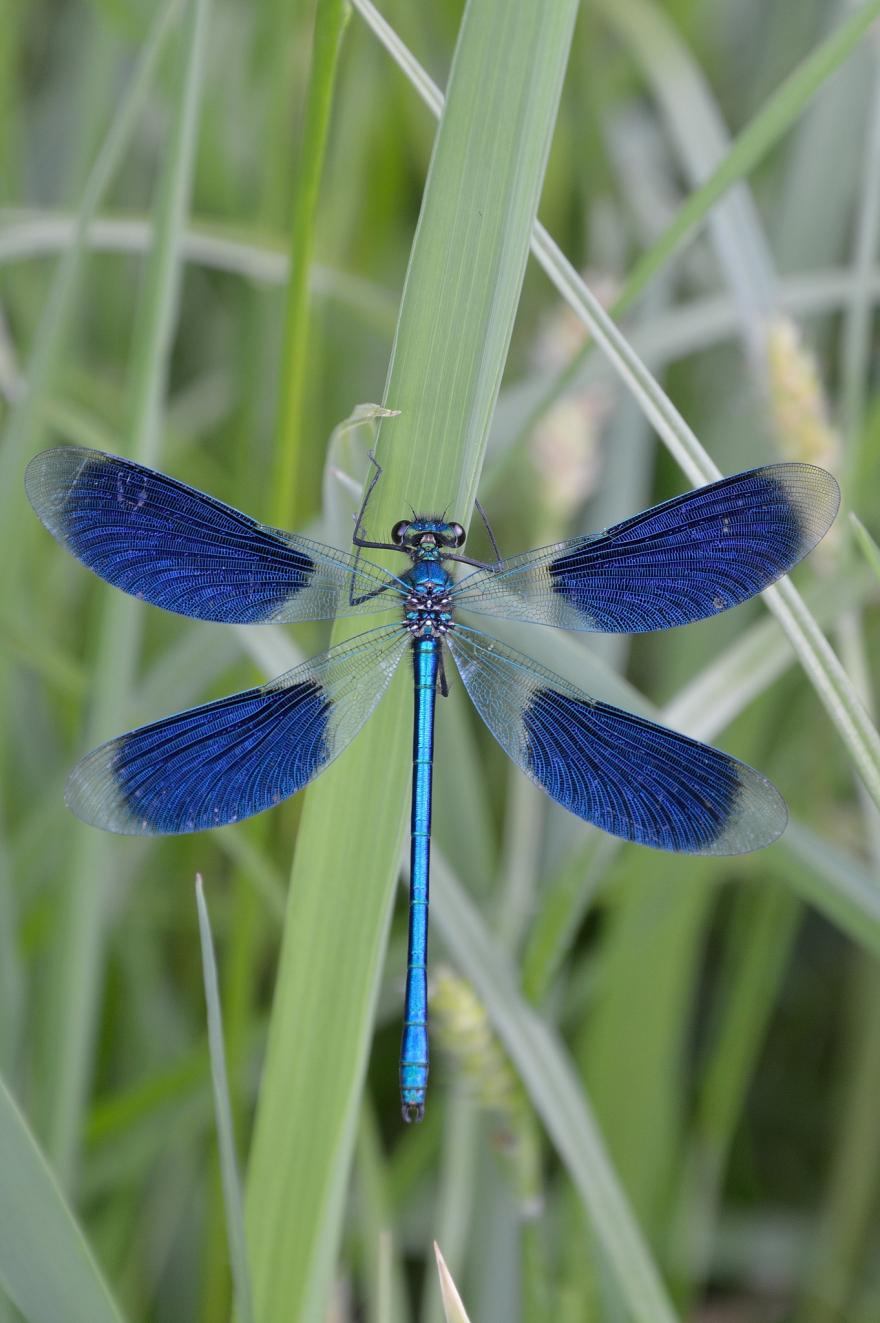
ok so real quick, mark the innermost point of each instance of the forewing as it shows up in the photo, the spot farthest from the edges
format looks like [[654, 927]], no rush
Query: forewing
[[629, 776], [240, 755], [173, 546], [686, 559]]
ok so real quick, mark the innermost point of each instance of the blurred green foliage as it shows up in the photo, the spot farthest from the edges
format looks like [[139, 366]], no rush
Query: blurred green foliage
[[722, 1016]]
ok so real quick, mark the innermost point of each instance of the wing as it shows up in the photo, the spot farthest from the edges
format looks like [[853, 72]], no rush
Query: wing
[[171, 545], [686, 559], [626, 775], [230, 759]]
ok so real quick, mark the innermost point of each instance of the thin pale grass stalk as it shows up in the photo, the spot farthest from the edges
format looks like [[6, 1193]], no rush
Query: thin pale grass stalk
[[25, 235], [454, 1200], [79, 967], [866, 544], [232, 1201], [855, 342], [453, 1307]]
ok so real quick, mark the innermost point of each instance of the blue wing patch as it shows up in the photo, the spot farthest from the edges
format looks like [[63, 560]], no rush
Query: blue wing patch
[[681, 561], [233, 758], [629, 776], [175, 547]]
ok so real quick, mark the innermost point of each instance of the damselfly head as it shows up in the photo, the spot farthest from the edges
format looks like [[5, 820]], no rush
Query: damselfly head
[[427, 534]]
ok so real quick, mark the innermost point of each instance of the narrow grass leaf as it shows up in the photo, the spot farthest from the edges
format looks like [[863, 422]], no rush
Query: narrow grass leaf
[[223, 1112], [557, 1096], [62, 293], [78, 968], [453, 1307], [46, 1266], [294, 491], [867, 545]]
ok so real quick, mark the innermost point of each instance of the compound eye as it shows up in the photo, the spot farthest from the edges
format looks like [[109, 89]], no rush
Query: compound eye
[[398, 531], [458, 535]]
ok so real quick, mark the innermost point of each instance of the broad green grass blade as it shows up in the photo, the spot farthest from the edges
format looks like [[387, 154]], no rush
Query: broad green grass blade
[[78, 969], [295, 488], [46, 1266], [557, 1096], [223, 1111], [459, 303]]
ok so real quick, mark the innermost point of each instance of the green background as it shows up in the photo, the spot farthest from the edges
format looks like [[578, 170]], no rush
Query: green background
[[655, 1084]]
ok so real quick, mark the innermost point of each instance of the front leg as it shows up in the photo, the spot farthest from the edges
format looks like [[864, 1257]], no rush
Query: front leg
[[358, 538]]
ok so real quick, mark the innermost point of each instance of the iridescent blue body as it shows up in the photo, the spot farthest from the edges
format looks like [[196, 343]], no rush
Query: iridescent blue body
[[428, 616], [684, 560]]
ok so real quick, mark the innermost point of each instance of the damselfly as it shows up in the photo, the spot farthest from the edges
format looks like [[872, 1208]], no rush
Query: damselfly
[[681, 561]]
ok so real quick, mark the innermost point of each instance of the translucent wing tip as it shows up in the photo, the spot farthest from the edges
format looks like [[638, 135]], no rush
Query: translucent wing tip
[[757, 815], [49, 479], [93, 794], [813, 496]]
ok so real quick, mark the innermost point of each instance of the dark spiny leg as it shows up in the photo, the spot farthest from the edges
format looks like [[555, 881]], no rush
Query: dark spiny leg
[[359, 541], [444, 684], [357, 537]]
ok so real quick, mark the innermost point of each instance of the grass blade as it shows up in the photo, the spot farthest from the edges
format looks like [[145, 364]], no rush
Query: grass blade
[[558, 1098], [59, 303], [46, 1267], [223, 1112], [867, 545], [295, 491], [77, 971], [459, 302], [453, 1307], [752, 145]]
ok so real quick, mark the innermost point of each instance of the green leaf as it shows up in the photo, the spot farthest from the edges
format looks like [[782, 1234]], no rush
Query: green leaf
[[753, 144], [295, 488], [223, 1113], [46, 1267], [453, 1308], [76, 970], [557, 1096], [867, 545]]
